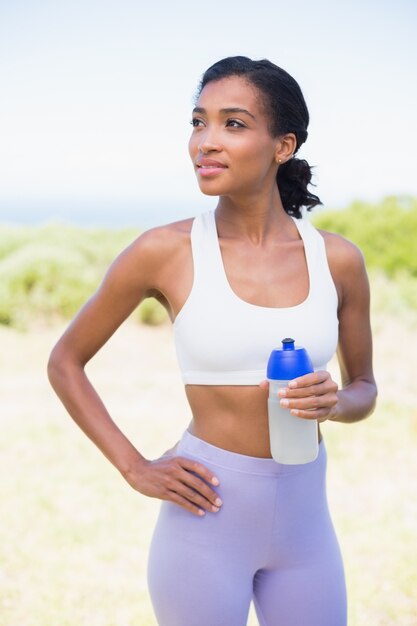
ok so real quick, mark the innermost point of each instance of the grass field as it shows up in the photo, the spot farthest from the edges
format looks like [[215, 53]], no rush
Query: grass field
[[75, 536]]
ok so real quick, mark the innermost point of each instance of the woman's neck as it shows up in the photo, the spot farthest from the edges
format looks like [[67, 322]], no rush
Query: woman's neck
[[255, 220]]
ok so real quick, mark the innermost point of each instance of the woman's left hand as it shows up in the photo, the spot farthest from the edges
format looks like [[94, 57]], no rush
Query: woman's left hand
[[312, 396]]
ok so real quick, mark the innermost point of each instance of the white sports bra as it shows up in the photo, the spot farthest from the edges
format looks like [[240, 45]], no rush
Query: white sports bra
[[222, 340]]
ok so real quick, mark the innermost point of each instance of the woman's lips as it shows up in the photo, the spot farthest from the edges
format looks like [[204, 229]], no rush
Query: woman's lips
[[209, 167], [209, 170]]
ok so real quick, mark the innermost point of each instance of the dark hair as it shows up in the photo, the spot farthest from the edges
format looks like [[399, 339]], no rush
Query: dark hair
[[287, 112]]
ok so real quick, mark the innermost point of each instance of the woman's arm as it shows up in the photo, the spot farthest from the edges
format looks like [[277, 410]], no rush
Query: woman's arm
[[356, 400], [134, 274], [316, 396]]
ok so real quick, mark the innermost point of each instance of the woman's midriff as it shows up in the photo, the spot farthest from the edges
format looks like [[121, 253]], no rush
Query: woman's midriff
[[234, 418]]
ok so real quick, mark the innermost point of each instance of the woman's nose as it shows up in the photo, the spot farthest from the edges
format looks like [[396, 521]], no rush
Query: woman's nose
[[209, 142]]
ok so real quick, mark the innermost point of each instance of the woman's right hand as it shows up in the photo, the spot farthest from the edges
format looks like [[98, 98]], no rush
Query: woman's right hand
[[179, 480]]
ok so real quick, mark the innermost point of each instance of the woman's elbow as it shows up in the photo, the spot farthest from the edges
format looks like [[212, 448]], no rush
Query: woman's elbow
[[372, 400], [58, 365], [53, 366]]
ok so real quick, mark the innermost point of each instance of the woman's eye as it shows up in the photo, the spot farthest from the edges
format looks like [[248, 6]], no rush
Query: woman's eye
[[196, 122], [234, 124]]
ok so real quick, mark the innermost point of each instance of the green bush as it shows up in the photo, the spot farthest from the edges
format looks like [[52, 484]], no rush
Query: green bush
[[51, 271], [387, 235], [39, 280], [386, 232], [12, 238]]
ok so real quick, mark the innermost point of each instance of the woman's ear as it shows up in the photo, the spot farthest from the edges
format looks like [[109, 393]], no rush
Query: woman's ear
[[285, 148]]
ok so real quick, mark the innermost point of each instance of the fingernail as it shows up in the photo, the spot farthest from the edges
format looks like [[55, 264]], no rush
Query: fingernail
[[292, 384], [201, 512], [215, 509], [282, 392], [218, 502], [284, 402], [215, 481]]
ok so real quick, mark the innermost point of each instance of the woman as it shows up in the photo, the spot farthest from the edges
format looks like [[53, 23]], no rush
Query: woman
[[234, 524]]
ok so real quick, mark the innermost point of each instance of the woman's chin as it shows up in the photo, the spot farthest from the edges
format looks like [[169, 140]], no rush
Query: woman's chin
[[213, 189], [210, 192]]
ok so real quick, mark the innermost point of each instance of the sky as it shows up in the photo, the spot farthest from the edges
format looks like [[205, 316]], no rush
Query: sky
[[96, 99]]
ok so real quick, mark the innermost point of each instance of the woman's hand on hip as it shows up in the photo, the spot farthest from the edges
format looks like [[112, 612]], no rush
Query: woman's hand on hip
[[312, 396], [179, 480]]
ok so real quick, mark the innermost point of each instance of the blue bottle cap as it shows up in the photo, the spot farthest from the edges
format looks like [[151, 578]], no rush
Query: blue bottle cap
[[288, 362]]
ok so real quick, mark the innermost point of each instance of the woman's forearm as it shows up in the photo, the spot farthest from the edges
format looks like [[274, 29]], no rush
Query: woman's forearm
[[355, 402], [87, 409], [185, 482]]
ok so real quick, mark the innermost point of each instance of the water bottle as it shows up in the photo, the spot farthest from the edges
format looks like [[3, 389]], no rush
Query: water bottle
[[294, 440]]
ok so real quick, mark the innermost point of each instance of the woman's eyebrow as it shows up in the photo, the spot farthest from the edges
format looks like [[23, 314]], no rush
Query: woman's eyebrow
[[226, 111]]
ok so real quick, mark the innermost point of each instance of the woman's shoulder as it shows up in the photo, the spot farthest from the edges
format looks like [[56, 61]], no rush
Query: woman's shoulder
[[154, 254], [156, 247], [163, 240], [341, 251], [165, 234], [347, 266]]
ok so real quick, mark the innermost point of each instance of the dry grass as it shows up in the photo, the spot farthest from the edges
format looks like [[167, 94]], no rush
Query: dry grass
[[75, 536]]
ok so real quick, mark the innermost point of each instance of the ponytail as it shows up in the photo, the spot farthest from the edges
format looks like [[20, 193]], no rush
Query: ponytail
[[293, 177]]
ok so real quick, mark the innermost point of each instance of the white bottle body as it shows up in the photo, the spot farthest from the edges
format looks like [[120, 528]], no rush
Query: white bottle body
[[293, 440]]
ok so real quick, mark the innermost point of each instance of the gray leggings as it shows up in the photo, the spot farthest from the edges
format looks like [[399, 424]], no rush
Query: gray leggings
[[272, 541]]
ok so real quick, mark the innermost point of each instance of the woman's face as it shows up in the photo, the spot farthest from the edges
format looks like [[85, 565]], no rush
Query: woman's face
[[231, 148]]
